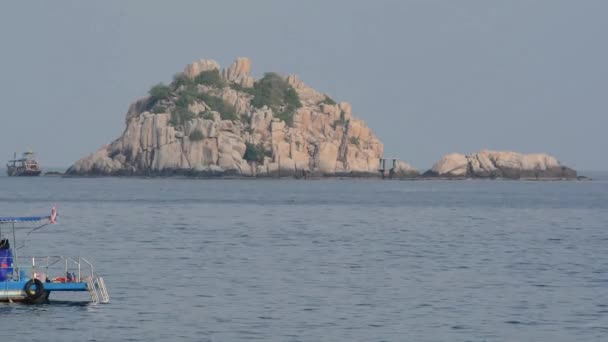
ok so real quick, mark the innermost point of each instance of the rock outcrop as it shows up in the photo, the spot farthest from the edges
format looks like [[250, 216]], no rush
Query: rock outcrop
[[500, 164], [204, 126], [239, 72], [194, 69], [404, 170]]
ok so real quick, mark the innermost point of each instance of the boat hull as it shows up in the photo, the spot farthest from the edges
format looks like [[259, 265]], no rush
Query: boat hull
[[19, 296], [14, 291], [23, 173]]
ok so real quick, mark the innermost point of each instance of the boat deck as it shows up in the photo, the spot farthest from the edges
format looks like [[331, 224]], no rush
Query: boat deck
[[75, 275]]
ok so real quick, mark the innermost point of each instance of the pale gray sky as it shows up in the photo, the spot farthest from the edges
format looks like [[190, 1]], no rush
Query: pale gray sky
[[429, 77]]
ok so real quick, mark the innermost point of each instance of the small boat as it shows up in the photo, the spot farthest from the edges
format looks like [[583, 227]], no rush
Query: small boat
[[26, 166], [33, 279]]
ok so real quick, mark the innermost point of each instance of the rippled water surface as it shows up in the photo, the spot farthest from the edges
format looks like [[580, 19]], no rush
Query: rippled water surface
[[326, 260]]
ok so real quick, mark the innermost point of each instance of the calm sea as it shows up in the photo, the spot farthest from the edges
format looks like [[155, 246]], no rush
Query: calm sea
[[324, 260]]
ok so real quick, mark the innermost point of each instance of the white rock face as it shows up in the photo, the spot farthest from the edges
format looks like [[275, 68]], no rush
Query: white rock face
[[323, 139], [500, 164]]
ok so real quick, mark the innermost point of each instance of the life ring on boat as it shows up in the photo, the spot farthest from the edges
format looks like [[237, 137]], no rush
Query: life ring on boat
[[34, 294]]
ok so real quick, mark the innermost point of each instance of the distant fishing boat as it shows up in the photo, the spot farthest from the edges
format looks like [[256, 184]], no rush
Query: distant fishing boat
[[32, 279], [26, 166]]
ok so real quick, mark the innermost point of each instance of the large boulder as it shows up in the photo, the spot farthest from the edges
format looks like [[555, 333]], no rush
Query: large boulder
[[500, 164], [451, 165], [404, 170]]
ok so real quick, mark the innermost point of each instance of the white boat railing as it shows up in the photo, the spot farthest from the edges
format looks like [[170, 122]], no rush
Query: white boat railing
[[74, 269], [70, 269]]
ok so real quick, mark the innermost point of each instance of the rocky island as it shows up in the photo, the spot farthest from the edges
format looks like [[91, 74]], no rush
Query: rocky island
[[212, 121]]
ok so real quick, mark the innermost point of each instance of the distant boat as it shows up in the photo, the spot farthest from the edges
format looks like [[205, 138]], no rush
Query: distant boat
[[26, 166]]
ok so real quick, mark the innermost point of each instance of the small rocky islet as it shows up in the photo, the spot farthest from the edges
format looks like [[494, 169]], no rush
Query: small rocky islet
[[212, 122], [500, 164]]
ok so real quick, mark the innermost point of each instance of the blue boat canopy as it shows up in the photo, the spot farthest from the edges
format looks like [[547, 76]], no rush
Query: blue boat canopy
[[14, 219], [23, 219]]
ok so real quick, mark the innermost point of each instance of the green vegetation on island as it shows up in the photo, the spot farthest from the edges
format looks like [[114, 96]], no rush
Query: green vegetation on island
[[272, 91], [255, 153]]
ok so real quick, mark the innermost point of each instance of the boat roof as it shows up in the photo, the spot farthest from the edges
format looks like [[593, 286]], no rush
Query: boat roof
[[14, 219]]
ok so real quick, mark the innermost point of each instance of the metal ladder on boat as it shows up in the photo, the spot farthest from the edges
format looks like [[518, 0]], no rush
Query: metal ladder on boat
[[97, 290]]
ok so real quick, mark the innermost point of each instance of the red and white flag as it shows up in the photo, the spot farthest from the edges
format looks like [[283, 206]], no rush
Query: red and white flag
[[53, 215]]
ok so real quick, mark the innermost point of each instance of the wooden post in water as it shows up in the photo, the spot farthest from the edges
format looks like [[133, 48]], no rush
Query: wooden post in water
[[382, 167]]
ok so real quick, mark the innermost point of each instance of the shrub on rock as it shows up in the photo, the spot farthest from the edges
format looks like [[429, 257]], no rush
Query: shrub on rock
[[196, 135]]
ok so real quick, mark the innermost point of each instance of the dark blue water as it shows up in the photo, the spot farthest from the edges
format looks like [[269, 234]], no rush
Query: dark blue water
[[328, 260]]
